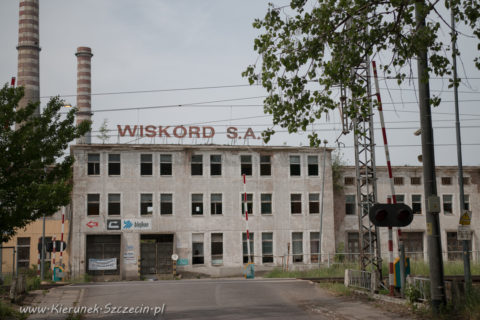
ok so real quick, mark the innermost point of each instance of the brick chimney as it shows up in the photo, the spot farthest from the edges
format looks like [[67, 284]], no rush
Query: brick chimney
[[84, 59], [29, 52]]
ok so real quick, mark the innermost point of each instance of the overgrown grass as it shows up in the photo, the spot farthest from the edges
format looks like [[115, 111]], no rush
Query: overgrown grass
[[419, 268], [9, 313], [451, 268], [337, 270], [336, 288]]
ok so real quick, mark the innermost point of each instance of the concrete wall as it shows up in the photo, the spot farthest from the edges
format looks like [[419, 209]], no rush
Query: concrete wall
[[130, 184], [448, 222]]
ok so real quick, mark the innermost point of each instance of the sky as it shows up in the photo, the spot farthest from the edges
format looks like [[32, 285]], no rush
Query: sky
[[202, 47]]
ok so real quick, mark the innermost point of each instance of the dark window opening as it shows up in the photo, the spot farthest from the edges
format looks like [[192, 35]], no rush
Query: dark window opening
[[93, 164], [93, 204], [312, 165], [266, 203], [217, 248], [215, 165], [197, 248], [165, 164], [267, 247], [146, 204], [297, 246], [197, 165], [216, 203], [166, 203], [313, 203], [249, 203], [113, 204], [197, 204], [146, 165], [265, 165], [296, 203], [245, 248], [246, 165], [114, 164], [295, 165]]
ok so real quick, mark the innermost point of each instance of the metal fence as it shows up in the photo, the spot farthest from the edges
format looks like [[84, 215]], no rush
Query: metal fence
[[358, 279], [420, 284]]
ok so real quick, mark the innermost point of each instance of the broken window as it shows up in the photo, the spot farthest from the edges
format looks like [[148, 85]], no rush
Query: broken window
[[114, 164], [146, 166], [146, 204], [197, 204]]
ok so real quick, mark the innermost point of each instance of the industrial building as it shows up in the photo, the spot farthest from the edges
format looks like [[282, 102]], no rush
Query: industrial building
[[140, 204]]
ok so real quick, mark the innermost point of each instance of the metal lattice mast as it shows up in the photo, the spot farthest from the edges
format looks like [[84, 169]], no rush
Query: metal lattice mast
[[366, 178]]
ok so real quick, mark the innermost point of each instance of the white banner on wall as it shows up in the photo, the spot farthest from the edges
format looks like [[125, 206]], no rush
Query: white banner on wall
[[102, 264]]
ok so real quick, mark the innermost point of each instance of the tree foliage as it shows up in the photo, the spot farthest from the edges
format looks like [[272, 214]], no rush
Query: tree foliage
[[35, 174], [312, 47]]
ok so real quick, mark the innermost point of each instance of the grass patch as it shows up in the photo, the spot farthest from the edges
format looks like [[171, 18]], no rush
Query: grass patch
[[9, 313], [337, 270], [451, 268], [338, 289]]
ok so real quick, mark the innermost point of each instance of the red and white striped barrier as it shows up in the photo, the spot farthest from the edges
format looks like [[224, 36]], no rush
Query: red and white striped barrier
[[390, 177], [39, 256], [246, 215], [54, 252]]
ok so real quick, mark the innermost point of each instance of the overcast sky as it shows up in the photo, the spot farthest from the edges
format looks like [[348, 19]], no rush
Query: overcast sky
[[159, 44]]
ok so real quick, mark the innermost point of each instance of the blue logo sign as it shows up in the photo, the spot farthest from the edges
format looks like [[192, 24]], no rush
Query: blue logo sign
[[127, 224]]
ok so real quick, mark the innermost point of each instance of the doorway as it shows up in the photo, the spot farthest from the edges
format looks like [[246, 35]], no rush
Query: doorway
[[156, 253]]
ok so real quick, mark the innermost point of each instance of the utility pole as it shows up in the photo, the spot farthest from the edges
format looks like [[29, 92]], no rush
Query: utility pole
[[466, 254], [435, 260], [321, 208]]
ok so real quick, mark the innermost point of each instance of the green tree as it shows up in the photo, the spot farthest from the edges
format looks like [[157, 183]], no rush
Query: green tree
[[104, 132], [309, 48], [35, 173]]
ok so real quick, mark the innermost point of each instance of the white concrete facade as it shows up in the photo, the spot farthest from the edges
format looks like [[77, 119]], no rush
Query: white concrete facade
[[447, 185], [130, 184]]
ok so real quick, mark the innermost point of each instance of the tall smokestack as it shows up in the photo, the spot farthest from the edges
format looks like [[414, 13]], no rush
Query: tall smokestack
[[29, 53], [84, 59]]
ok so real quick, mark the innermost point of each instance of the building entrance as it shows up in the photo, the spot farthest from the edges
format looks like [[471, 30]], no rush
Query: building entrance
[[156, 253]]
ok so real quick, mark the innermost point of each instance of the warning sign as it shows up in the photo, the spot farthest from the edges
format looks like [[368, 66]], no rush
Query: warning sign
[[464, 233], [466, 218]]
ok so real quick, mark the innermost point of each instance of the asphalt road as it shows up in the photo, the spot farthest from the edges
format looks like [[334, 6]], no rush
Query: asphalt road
[[221, 299]]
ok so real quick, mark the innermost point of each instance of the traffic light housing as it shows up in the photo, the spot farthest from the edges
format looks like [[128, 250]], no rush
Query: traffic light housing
[[390, 215]]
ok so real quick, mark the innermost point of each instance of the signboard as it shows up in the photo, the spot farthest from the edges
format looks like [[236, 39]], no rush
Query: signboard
[[102, 264], [174, 257], [464, 233], [136, 224], [180, 132], [466, 218], [182, 262], [92, 224], [114, 224], [129, 255]]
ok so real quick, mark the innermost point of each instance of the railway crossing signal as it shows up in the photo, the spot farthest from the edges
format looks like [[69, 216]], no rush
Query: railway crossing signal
[[391, 215]]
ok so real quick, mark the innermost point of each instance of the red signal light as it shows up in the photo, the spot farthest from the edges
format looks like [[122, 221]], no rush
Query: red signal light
[[381, 215], [403, 215]]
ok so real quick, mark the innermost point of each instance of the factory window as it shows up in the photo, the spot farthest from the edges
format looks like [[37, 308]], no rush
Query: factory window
[[314, 246], [93, 164], [146, 203], [415, 181], [265, 165], [197, 204], [294, 165], [23, 252], [466, 202], [217, 248], [266, 203], [398, 181], [197, 165], [216, 165], [246, 165], [165, 164], [113, 204], [314, 203], [249, 203], [349, 181], [216, 203], [166, 203], [400, 198], [466, 180], [353, 246], [417, 203], [312, 165], [350, 204], [114, 164], [447, 204], [446, 181], [146, 166], [93, 204], [296, 203], [267, 247], [197, 248], [245, 248], [455, 247], [413, 242], [297, 246]]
